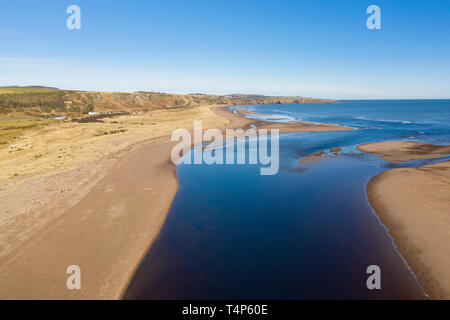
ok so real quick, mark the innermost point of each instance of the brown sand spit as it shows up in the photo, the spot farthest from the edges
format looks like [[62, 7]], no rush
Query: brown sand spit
[[414, 204], [244, 112], [315, 157], [398, 151], [298, 126], [319, 156], [302, 126], [90, 194]]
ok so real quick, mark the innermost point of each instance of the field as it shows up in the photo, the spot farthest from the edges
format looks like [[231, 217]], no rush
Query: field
[[21, 110], [43, 147], [13, 129]]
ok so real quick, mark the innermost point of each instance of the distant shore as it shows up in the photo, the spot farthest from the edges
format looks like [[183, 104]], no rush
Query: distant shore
[[297, 126], [414, 204]]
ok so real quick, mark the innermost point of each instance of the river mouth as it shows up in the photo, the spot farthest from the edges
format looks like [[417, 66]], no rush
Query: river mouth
[[307, 232]]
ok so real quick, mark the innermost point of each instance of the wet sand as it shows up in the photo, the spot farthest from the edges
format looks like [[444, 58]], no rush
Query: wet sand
[[319, 156], [414, 204], [399, 151]]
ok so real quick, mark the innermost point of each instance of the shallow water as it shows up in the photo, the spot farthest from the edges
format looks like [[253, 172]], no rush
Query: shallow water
[[307, 232]]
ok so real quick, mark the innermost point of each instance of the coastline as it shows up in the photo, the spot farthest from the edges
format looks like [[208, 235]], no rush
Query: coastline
[[414, 204], [105, 223], [238, 120], [102, 215], [104, 233]]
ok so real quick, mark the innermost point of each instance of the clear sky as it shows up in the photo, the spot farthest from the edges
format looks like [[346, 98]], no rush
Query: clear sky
[[318, 48]]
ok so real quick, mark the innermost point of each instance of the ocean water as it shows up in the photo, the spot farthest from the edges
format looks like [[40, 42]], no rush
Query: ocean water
[[376, 120], [307, 232]]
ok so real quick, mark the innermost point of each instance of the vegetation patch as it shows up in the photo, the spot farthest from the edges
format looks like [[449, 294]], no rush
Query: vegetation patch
[[10, 130]]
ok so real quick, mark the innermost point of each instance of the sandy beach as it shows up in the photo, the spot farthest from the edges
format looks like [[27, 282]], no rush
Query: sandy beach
[[414, 204], [399, 151], [104, 233], [101, 209], [100, 214]]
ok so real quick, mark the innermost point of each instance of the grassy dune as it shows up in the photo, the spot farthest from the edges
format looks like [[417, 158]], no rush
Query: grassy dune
[[13, 129], [39, 147]]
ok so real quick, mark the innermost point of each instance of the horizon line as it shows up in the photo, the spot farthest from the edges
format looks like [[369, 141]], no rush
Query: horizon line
[[213, 94]]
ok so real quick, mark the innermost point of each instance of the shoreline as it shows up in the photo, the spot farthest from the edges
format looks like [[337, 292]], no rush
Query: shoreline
[[239, 119], [413, 204], [104, 233], [106, 226]]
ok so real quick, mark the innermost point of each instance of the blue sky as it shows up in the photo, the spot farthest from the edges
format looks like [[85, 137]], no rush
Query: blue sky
[[313, 48]]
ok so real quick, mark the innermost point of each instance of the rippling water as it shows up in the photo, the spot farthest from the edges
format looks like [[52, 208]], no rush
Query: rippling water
[[376, 120], [307, 232]]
